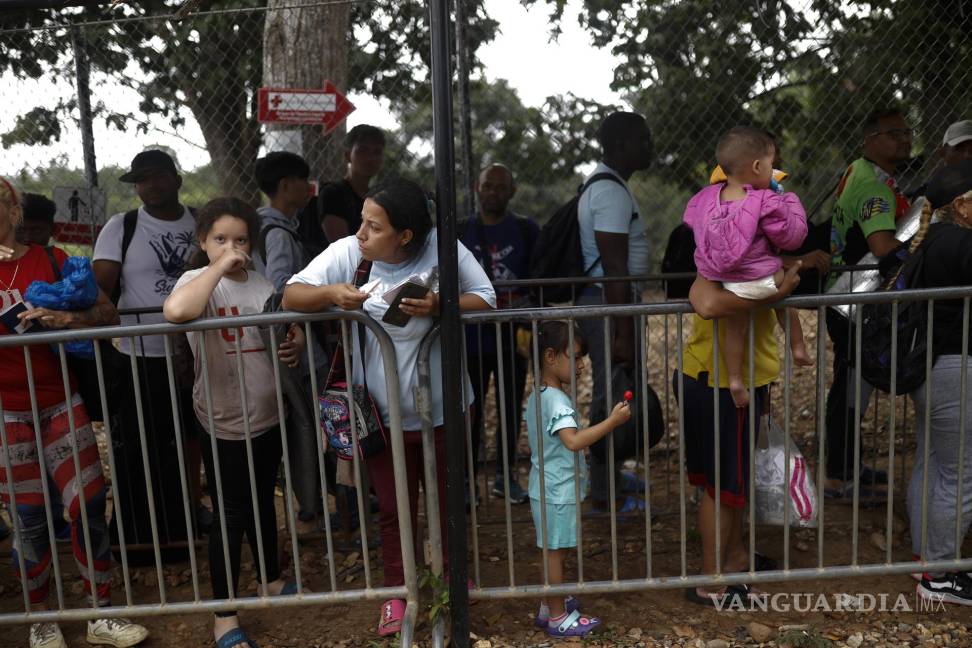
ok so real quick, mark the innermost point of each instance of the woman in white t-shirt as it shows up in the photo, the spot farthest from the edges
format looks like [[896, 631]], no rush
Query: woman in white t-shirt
[[397, 237], [226, 228]]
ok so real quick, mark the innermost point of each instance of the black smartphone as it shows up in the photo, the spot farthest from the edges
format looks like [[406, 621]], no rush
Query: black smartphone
[[394, 315], [9, 319]]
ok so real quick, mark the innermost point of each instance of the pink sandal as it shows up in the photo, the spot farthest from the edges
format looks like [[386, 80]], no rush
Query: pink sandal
[[390, 621]]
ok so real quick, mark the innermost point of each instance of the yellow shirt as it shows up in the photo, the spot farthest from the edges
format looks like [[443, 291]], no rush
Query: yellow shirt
[[697, 355]]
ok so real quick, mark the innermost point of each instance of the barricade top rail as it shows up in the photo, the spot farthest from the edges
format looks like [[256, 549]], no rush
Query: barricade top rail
[[503, 315], [206, 324], [655, 276], [683, 306]]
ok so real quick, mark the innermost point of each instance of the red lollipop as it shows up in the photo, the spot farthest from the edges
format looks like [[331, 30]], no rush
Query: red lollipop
[[628, 395]]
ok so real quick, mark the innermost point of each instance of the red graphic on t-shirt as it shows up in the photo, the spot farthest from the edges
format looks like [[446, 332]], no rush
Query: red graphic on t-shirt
[[227, 335]]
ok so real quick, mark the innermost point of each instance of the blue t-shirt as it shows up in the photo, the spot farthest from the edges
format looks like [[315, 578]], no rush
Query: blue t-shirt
[[504, 252], [557, 413]]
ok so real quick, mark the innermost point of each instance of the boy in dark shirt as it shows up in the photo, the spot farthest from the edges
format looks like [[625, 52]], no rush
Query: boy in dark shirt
[[336, 211]]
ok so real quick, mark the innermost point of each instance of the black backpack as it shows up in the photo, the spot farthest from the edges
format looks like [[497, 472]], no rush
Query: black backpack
[[679, 257], [912, 328], [557, 252]]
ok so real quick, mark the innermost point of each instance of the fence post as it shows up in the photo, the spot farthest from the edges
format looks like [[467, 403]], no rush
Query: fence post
[[82, 69], [451, 334]]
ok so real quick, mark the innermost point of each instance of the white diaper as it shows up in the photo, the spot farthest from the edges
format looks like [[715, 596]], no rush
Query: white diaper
[[756, 289]]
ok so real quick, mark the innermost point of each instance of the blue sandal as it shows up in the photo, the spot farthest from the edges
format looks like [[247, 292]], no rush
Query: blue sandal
[[570, 604], [574, 624], [235, 637]]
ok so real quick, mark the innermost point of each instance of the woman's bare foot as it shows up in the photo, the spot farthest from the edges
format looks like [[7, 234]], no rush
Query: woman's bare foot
[[740, 394], [222, 625]]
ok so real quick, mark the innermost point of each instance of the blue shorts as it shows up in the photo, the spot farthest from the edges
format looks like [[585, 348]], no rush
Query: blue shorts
[[561, 524]]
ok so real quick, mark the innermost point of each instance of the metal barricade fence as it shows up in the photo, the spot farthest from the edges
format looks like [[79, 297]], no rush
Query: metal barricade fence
[[622, 578], [164, 603]]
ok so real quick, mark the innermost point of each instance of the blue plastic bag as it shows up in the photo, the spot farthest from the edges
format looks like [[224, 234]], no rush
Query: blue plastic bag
[[76, 290]]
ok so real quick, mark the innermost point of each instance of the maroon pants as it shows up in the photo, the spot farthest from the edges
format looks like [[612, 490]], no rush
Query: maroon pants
[[380, 468]]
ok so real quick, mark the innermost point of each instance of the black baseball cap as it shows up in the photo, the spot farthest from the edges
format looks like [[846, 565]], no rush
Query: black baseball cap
[[153, 160], [949, 183]]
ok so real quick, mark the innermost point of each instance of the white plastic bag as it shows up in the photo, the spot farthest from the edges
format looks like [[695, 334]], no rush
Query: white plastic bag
[[772, 491]]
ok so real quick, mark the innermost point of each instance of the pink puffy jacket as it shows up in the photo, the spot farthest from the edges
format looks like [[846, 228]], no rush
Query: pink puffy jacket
[[739, 240]]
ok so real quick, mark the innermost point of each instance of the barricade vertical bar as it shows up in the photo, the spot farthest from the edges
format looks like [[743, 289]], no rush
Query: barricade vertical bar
[[392, 382], [963, 396], [821, 428], [45, 489], [221, 504], [717, 388], [751, 343], [679, 350], [248, 440], [503, 449], [116, 511], [183, 483], [316, 409], [14, 516], [149, 490], [470, 463], [668, 414], [474, 509], [643, 371], [856, 513], [423, 399], [572, 345], [889, 520], [788, 375], [355, 451], [288, 483], [537, 413], [927, 431], [472, 482], [78, 475], [609, 462]]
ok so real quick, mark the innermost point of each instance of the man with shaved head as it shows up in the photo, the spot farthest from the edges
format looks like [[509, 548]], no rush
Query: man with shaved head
[[502, 242]]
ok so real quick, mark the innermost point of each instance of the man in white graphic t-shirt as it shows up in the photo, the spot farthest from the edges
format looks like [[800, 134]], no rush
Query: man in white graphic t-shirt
[[138, 257]]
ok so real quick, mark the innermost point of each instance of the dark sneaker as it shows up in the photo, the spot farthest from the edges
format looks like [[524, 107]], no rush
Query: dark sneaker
[[517, 494], [955, 587]]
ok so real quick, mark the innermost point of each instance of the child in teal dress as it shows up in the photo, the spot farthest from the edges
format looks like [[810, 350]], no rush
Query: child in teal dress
[[561, 440]]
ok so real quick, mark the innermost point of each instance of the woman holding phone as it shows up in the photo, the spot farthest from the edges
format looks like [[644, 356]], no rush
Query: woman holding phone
[[396, 241]]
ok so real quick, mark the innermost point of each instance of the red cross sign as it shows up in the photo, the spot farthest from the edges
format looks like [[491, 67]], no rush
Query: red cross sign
[[325, 107]]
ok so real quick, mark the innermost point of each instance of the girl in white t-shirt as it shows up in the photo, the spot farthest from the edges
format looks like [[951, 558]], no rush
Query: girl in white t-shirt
[[226, 228]]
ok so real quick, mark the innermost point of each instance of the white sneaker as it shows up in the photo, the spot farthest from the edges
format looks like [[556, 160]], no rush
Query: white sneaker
[[120, 633], [46, 635]]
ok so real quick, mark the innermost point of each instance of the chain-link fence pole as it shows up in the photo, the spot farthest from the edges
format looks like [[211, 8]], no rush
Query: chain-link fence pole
[[442, 123]]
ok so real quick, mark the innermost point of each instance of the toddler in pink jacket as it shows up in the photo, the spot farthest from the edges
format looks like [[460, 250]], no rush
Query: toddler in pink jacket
[[739, 226]]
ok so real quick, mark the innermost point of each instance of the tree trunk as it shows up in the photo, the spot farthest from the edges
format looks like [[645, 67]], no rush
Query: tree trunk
[[303, 48]]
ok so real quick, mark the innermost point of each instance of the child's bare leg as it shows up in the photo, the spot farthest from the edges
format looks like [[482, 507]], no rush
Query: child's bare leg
[[798, 346], [555, 572], [732, 353]]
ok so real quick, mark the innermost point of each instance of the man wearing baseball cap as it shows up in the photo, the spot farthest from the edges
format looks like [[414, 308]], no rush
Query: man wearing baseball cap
[[957, 144], [138, 257]]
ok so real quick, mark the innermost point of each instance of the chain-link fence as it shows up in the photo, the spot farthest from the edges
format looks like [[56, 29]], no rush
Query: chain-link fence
[[809, 71]]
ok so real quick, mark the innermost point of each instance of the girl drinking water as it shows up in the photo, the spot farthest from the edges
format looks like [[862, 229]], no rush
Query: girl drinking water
[[561, 440], [222, 285], [738, 226]]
